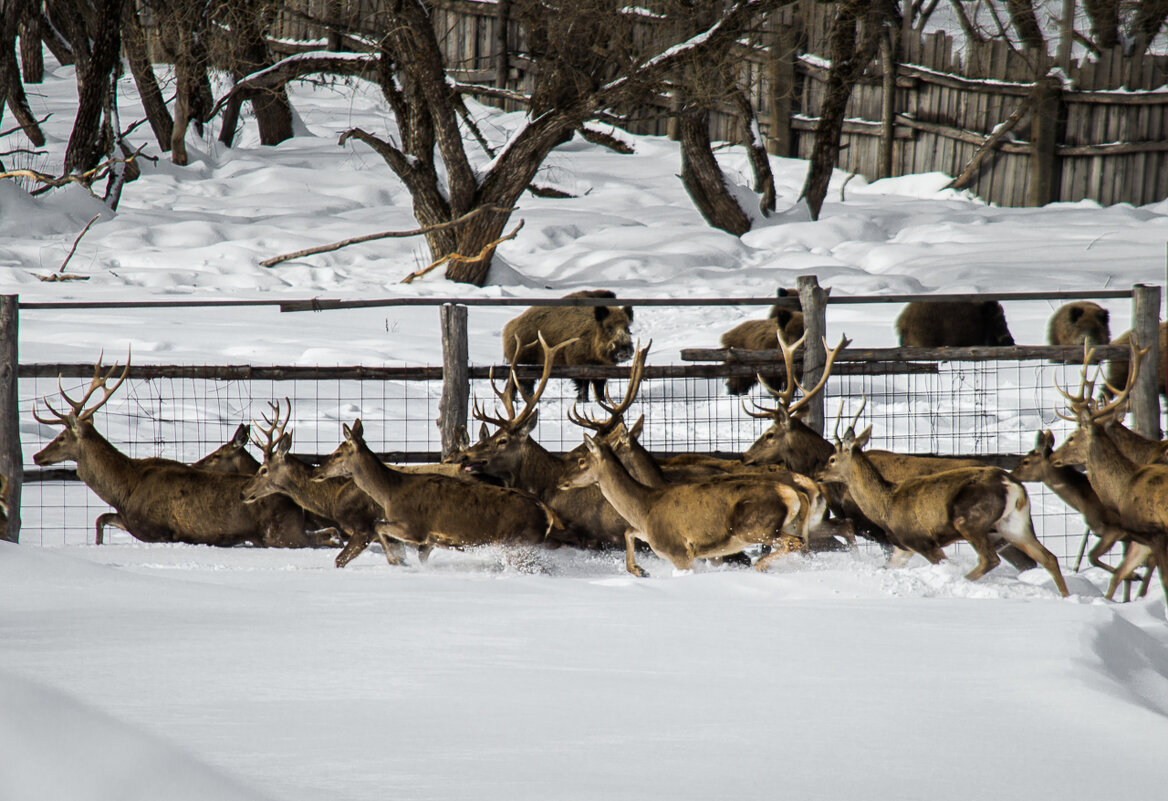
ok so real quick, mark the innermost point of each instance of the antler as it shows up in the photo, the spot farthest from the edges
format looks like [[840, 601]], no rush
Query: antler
[[855, 418], [98, 381], [514, 420], [1083, 401], [787, 394], [615, 410], [275, 429]]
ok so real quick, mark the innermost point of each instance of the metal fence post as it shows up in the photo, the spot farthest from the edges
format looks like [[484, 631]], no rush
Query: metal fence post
[[1145, 396], [11, 459], [455, 376], [813, 299]]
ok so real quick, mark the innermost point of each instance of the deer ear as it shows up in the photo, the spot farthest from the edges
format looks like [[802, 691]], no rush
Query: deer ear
[[240, 438], [1045, 441], [863, 438], [638, 427], [356, 431], [530, 424], [590, 442], [483, 433], [284, 445]]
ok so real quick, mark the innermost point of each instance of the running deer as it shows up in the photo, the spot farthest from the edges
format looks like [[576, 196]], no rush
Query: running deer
[[1137, 492], [338, 500], [1075, 490], [981, 505], [791, 442], [231, 456], [684, 522], [432, 510], [159, 500], [514, 456]]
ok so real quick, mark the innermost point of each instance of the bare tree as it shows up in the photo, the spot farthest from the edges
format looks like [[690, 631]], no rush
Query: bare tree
[[245, 23], [90, 140], [853, 42]]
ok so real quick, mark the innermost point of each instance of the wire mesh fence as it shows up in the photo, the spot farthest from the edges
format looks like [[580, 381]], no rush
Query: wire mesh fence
[[987, 408]]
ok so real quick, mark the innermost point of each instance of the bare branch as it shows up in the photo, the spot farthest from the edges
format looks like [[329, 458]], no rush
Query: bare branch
[[425, 229]]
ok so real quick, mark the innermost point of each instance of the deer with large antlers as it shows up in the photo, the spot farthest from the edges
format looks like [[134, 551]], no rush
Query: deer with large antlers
[[1137, 492], [513, 455], [338, 499], [432, 510], [792, 442], [981, 505], [159, 500]]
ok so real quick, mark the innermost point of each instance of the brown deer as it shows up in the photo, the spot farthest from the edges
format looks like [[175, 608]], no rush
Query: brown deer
[[980, 505], [514, 456], [791, 442], [159, 500], [1137, 492], [338, 499], [1075, 489], [231, 456], [684, 522], [432, 510]]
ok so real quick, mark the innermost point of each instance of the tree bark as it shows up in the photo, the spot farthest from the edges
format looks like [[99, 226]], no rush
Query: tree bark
[[703, 178], [848, 61], [272, 108], [32, 62], [1025, 23], [1149, 18], [1104, 16], [87, 143], [760, 163], [137, 53]]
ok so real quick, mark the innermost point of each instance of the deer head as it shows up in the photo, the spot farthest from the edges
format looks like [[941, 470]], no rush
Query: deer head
[[502, 454], [272, 476], [342, 461], [78, 422], [789, 439], [1089, 412], [1034, 465], [231, 456]]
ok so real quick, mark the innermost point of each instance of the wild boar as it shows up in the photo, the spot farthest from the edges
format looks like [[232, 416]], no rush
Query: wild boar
[[602, 334], [938, 324], [761, 335], [1081, 322]]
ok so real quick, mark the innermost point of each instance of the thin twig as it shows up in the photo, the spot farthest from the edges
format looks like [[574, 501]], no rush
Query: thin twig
[[425, 229], [76, 242], [482, 254]]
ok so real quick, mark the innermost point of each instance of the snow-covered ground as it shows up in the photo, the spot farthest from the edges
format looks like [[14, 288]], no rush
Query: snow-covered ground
[[144, 671]]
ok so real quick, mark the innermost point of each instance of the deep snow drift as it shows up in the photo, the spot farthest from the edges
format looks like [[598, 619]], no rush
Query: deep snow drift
[[142, 671]]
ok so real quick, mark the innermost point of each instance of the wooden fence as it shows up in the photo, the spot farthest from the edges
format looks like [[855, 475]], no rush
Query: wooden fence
[[1100, 132]]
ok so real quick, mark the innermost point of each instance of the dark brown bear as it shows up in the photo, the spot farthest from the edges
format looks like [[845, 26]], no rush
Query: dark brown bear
[[939, 324], [1117, 369], [602, 334], [761, 335], [1078, 323]]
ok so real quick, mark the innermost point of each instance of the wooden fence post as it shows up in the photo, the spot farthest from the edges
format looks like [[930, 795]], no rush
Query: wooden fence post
[[887, 105], [1045, 124], [455, 376], [1145, 396], [813, 299], [11, 459]]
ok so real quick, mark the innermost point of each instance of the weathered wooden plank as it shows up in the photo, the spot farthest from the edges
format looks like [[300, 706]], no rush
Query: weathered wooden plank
[[1058, 353]]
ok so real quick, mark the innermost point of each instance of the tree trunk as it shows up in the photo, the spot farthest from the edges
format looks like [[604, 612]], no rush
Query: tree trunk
[[184, 92], [272, 109], [137, 53], [1104, 16], [11, 86], [760, 163], [87, 144], [61, 49], [32, 62], [703, 178], [847, 65], [64, 18], [1026, 23], [1150, 16]]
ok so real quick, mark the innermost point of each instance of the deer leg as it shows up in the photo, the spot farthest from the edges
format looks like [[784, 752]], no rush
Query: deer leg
[[1016, 556], [109, 519], [899, 557], [630, 556], [781, 546], [357, 543], [1019, 530], [987, 556], [1107, 540], [1133, 558]]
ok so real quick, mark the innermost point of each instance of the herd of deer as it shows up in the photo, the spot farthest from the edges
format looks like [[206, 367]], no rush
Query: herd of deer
[[793, 490]]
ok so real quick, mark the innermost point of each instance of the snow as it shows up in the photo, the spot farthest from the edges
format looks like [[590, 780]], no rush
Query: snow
[[152, 671]]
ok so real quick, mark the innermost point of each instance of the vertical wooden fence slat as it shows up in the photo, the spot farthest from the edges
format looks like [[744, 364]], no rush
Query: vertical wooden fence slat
[[1044, 116], [455, 376], [1145, 395], [813, 299], [11, 459]]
